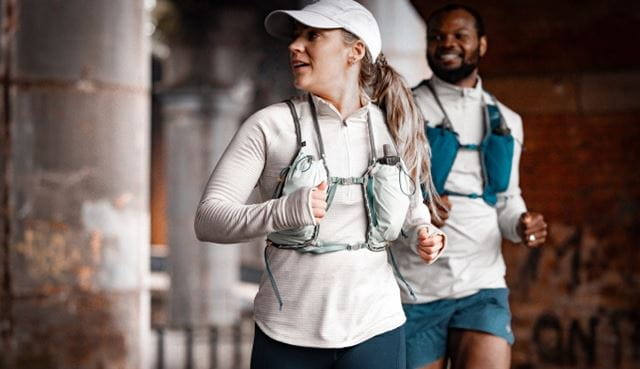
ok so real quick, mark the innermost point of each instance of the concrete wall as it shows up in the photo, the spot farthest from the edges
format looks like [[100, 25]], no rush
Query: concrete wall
[[403, 42]]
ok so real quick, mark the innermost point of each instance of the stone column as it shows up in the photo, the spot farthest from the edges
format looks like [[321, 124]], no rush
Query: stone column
[[198, 127], [75, 180], [209, 90]]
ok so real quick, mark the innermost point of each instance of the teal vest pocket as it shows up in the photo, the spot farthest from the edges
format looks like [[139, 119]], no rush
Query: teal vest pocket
[[497, 156], [444, 149]]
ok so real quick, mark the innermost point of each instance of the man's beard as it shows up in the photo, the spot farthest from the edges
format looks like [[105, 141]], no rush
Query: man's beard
[[454, 76]]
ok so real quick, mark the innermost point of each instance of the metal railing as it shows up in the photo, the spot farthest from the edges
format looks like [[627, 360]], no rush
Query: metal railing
[[203, 347]]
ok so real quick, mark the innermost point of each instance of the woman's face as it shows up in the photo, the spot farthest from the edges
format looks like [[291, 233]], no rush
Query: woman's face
[[319, 59]]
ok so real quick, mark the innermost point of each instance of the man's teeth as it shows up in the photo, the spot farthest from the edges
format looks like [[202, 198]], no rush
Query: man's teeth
[[448, 57]]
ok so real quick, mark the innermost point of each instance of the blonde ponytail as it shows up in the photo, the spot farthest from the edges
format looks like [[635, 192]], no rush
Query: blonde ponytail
[[389, 90]]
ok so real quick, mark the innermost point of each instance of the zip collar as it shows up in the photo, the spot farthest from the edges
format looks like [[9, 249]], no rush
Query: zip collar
[[448, 90], [326, 109]]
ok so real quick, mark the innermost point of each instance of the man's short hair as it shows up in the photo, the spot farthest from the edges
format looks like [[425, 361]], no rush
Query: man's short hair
[[451, 7]]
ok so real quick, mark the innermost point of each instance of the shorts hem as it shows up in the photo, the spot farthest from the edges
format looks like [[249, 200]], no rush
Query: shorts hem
[[510, 340]]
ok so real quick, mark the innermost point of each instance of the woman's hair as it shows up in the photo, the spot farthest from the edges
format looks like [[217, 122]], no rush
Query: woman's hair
[[388, 89]]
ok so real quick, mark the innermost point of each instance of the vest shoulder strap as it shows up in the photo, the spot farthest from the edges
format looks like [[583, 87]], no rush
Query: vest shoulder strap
[[296, 122], [446, 122], [496, 120]]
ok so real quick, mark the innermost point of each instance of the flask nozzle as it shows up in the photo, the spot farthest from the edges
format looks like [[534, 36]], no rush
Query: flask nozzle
[[390, 157]]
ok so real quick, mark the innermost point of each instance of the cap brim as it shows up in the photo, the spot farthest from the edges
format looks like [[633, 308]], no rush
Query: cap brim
[[280, 23]]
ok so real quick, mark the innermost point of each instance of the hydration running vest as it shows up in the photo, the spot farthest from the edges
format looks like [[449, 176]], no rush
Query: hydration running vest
[[383, 184], [496, 151]]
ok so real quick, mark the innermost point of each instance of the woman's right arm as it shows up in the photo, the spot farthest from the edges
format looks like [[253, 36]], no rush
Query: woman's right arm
[[222, 215]]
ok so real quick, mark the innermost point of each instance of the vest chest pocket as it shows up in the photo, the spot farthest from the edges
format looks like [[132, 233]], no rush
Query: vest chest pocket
[[388, 196], [304, 171]]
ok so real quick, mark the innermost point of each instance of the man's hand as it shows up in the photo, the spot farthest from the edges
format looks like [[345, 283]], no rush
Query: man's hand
[[319, 201], [443, 211], [429, 246], [532, 229]]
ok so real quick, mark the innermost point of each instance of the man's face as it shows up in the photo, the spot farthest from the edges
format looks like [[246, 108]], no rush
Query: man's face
[[454, 49]]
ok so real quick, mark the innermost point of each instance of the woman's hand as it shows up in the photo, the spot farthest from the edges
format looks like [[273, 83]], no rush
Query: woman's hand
[[318, 201], [429, 245]]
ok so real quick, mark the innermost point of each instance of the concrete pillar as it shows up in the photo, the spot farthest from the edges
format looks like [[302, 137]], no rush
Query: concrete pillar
[[209, 95], [403, 37], [75, 158], [198, 126]]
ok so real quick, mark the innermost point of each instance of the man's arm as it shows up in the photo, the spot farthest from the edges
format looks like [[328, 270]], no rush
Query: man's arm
[[511, 205]]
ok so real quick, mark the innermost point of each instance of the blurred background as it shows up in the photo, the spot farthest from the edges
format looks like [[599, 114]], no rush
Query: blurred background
[[114, 112]]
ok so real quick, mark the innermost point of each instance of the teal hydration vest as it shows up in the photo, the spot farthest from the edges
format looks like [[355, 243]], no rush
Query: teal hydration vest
[[385, 199], [495, 149]]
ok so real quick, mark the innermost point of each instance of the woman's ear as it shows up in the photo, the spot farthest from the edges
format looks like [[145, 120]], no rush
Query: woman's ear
[[358, 50]]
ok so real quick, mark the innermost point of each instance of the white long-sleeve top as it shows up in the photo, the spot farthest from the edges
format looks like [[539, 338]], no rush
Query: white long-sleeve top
[[330, 300], [473, 257]]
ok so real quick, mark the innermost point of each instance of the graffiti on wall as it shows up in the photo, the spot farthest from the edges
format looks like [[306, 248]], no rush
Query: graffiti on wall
[[584, 290], [571, 342]]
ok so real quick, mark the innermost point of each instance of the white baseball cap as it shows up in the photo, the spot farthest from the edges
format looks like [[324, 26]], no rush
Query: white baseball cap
[[325, 14]]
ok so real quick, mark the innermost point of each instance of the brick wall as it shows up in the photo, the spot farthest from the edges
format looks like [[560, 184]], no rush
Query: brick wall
[[575, 301]]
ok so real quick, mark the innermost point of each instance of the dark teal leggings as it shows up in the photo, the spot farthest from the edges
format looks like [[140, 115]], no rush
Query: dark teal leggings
[[385, 351]]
